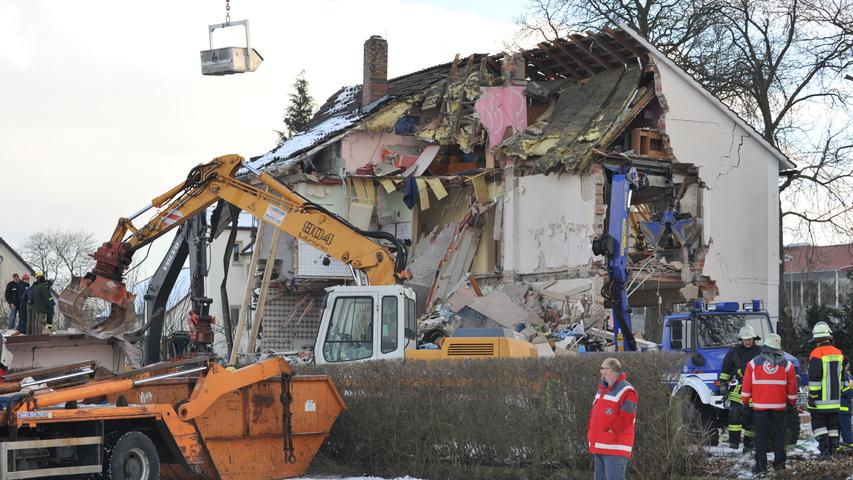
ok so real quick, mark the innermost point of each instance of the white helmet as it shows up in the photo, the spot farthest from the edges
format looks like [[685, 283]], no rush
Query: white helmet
[[773, 343], [747, 333], [821, 330]]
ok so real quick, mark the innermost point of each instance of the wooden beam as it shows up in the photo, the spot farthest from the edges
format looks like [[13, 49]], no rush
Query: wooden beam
[[577, 59], [613, 53], [262, 296], [626, 44], [538, 64], [576, 39], [247, 295], [556, 58]]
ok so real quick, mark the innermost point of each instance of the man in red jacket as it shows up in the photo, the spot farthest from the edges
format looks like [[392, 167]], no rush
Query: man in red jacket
[[769, 384], [611, 424]]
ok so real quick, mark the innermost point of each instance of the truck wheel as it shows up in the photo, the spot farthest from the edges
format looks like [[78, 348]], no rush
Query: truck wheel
[[131, 456]]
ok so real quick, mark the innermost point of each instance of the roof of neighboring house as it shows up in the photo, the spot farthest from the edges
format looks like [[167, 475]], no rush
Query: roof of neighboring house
[[812, 258], [17, 256], [180, 291]]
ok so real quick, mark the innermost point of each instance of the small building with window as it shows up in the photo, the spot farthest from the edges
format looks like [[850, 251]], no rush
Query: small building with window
[[817, 275]]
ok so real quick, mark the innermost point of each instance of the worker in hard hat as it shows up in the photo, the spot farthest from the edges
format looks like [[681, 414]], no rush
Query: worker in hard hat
[[826, 367], [731, 380]]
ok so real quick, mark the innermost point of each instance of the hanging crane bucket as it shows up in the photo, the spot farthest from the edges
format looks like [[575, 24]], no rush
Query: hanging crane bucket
[[99, 306], [229, 60]]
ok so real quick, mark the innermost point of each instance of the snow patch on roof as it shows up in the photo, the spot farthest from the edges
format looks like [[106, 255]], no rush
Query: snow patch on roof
[[342, 117]]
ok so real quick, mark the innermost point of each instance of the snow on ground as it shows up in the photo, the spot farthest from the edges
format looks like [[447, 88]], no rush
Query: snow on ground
[[736, 464]]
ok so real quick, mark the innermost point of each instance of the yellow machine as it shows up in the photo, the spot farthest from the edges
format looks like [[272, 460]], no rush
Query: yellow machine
[[374, 319]]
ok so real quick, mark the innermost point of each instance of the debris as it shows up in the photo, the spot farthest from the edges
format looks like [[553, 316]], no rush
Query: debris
[[499, 307], [545, 350]]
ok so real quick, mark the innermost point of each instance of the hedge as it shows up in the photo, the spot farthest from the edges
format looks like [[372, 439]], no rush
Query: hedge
[[514, 419]]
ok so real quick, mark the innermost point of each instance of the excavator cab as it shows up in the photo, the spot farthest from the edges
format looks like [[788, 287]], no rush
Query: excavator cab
[[362, 323]]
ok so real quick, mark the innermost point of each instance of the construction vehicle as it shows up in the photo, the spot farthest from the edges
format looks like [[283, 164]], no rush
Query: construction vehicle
[[705, 334], [378, 306], [187, 419]]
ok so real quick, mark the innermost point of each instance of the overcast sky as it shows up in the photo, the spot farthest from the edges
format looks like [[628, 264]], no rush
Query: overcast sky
[[103, 105]]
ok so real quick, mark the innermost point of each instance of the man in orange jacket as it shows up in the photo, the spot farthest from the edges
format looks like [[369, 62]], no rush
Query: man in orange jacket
[[610, 431], [769, 384]]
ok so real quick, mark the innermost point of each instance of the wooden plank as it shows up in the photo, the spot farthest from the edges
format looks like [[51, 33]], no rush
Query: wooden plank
[[576, 39], [568, 51], [623, 43], [553, 55], [600, 43], [546, 69], [247, 295], [265, 286]]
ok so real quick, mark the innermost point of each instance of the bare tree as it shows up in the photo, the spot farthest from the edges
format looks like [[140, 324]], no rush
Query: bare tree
[[60, 254], [777, 63]]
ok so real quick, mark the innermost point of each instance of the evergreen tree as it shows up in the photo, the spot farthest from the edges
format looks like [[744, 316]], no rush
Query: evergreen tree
[[300, 110]]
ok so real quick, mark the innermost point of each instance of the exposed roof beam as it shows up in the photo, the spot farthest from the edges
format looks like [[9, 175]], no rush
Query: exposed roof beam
[[576, 39], [598, 41], [554, 56]]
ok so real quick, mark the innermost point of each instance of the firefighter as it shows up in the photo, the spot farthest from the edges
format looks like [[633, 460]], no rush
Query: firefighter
[[844, 413], [734, 364], [769, 385], [826, 367]]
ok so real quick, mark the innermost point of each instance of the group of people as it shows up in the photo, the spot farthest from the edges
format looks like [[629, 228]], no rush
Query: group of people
[[31, 307], [760, 384]]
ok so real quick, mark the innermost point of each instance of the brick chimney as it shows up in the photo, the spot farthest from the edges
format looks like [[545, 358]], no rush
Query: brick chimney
[[375, 70]]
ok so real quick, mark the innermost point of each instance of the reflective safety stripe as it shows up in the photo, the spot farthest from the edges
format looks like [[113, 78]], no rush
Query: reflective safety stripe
[[833, 433], [814, 384], [735, 428], [768, 405], [623, 448], [792, 397], [844, 409], [615, 398], [769, 382], [746, 394], [748, 433], [820, 431]]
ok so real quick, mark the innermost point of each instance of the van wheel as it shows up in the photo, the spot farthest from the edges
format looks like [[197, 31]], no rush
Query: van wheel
[[130, 456]]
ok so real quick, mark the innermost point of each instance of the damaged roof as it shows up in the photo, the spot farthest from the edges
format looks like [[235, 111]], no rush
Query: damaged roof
[[343, 110], [601, 90]]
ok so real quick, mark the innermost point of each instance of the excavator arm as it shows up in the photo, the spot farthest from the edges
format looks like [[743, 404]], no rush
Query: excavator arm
[[276, 205]]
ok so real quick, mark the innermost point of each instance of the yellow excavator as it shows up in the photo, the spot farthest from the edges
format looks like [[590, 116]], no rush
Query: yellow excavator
[[373, 319]]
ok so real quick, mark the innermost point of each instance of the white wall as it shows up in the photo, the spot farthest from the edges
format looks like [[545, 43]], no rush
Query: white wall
[[741, 199], [237, 275], [548, 223]]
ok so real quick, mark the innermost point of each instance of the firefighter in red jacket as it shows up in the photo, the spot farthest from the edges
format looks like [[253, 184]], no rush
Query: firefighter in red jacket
[[769, 385], [611, 424]]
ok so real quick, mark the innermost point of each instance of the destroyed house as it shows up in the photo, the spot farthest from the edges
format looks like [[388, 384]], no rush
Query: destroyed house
[[496, 167]]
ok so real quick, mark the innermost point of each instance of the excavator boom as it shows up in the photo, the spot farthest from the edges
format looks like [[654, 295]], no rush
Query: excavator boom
[[276, 205]]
